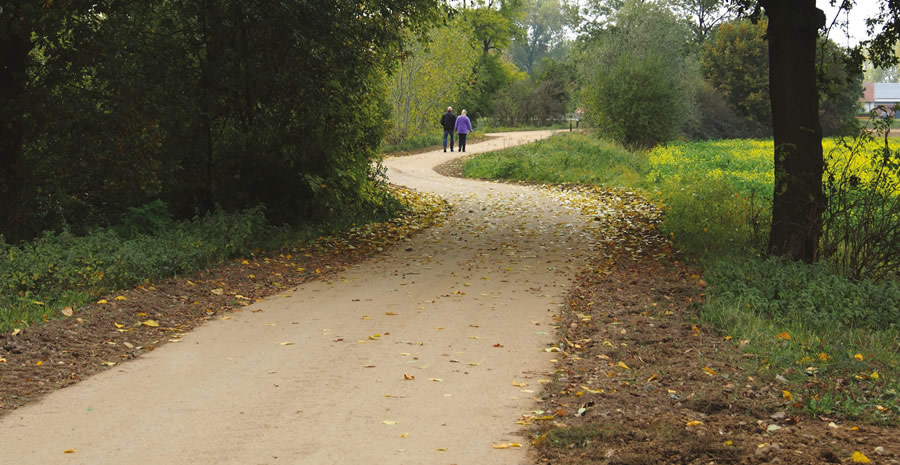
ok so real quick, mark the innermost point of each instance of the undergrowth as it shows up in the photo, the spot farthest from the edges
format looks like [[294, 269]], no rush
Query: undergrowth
[[60, 269]]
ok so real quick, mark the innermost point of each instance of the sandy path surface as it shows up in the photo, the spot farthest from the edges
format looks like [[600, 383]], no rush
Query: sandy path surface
[[317, 376]]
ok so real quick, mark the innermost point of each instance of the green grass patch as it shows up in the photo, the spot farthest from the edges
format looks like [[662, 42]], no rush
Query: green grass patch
[[414, 143], [568, 157], [59, 269]]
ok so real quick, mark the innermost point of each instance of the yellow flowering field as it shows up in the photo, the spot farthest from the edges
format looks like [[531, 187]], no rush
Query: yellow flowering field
[[744, 163]]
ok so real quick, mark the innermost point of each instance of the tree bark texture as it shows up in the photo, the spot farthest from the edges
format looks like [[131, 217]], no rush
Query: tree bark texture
[[14, 48], [799, 199]]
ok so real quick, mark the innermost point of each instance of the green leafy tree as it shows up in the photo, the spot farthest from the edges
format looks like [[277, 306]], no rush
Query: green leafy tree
[[430, 77], [736, 63], [544, 25], [639, 76], [792, 32]]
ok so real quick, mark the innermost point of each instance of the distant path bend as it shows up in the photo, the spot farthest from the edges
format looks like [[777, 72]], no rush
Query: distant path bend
[[428, 353]]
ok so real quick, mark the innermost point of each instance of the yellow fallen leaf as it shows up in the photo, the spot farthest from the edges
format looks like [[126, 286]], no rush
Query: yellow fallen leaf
[[15, 332], [225, 318], [244, 262], [404, 435], [785, 336], [38, 302], [252, 276], [150, 323], [473, 364], [110, 364], [858, 357], [365, 317], [67, 311], [506, 445], [375, 337], [70, 451], [518, 384], [190, 282], [287, 343], [786, 395], [121, 297], [709, 371], [436, 380], [39, 363], [859, 457], [592, 391], [141, 314], [391, 313], [118, 325], [824, 357], [102, 301], [217, 291], [622, 365], [389, 422], [728, 443], [694, 423], [2, 360], [408, 377]]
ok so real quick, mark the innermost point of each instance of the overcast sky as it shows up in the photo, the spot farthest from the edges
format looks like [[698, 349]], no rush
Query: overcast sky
[[864, 9]]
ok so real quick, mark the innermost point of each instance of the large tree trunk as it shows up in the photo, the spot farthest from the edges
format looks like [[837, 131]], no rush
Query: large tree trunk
[[14, 48], [799, 199]]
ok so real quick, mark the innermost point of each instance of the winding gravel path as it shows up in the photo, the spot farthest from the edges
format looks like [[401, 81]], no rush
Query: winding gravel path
[[428, 353]]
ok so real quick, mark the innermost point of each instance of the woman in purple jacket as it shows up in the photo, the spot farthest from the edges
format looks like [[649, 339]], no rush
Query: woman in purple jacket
[[463, 128]]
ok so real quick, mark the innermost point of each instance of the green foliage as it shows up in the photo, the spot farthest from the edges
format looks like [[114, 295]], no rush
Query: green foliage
[[638, 76], [543, 25], [199, 104], [432, 139], [736, 64], [568, 157], [429, 79], [61, 269], [862, 217]]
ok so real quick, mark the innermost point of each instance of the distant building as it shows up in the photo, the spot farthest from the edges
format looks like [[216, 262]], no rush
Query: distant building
[[880, 93]]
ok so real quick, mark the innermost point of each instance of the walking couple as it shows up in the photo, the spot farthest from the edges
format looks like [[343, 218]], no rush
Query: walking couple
[[460, 124]]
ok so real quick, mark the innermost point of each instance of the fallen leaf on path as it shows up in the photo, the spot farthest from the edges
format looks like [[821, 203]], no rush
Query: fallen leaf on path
[[436, 380], [217, 291], [287, 343], [858, 357], [391, 313], [70, 451], [786, 395], [518, 384], [506, 445], [102, 301], [694, 423], [389, 422], [375, 337], [408, 377], [150, 323], [709, 371], [623, 365], [859, 457]]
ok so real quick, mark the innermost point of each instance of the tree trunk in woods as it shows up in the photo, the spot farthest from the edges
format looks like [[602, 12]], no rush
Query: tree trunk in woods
[[14, 48], [799, 199]]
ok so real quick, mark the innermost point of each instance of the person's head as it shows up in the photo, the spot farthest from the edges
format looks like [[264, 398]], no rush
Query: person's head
[[463, 112], [449, 108]]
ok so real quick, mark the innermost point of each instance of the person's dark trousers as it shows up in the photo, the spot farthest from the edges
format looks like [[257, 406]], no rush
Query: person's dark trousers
[[462, 142], [446, 133]]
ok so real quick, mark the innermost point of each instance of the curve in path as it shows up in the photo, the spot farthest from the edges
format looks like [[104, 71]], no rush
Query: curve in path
[[428, 353]]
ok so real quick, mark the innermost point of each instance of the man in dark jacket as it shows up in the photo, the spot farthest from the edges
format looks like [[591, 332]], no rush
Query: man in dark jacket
[[448, 121]]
